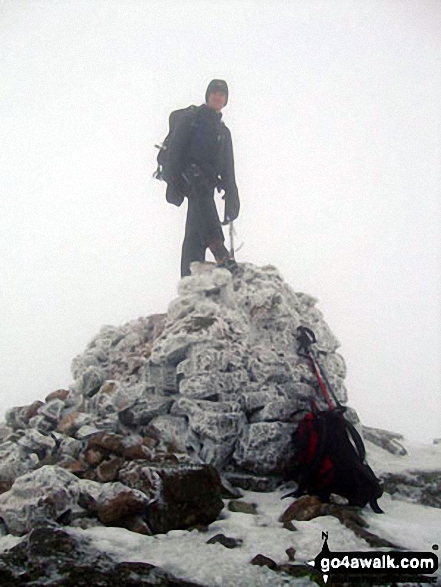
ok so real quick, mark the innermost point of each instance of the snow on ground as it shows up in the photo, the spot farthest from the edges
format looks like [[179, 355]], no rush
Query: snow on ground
[[186, 554], [422, 457]]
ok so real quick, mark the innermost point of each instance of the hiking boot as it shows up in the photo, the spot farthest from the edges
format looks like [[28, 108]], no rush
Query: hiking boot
[[229, 264]]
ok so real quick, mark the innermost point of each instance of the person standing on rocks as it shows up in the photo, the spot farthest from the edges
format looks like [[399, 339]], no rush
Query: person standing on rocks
[[200, 159]]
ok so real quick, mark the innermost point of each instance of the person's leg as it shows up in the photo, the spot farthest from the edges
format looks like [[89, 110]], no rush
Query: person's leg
[[207, 218], [193, 247], [203, 228]]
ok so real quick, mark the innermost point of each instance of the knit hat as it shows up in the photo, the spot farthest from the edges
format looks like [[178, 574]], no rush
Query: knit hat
[[217, 85]]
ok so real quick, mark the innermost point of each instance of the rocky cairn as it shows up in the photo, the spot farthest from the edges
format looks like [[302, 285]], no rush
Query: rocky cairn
[[167, 413]]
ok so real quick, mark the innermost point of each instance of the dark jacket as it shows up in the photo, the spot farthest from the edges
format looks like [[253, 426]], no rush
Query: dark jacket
[[201, 138]]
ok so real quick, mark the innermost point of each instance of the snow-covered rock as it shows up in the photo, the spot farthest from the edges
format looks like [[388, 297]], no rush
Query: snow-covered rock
[[217, 382], [224, 342]]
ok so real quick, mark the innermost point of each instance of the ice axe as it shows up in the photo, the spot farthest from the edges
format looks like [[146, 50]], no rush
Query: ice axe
[[232, 233]]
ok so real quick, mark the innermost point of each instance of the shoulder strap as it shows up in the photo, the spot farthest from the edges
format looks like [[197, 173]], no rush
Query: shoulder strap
[[358, 441]]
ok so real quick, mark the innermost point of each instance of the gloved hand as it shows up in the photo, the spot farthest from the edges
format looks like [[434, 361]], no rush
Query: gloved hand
[[172, 196], [232, 206]]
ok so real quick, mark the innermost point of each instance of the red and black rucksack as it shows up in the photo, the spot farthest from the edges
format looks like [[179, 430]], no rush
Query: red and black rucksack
[[330, 459], [330, 454]]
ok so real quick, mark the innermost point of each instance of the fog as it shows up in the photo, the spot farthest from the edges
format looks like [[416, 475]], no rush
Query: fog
[[334, 110]]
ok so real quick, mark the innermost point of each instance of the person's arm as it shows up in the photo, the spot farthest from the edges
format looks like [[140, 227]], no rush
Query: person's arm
[[232, 203]]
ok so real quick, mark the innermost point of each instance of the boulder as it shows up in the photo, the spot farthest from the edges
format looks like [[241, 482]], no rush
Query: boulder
[[181, 495], [385, 440], [422, 487], [38, 497]]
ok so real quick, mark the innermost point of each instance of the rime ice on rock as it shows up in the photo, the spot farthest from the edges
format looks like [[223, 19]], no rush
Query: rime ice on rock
[[218, 376], [217, 381]]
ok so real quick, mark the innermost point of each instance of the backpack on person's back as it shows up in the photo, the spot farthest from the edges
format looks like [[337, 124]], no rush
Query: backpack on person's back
[[162, 171]]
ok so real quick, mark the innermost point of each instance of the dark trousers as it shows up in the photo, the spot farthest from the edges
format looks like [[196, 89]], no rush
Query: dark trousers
[[202, 228]]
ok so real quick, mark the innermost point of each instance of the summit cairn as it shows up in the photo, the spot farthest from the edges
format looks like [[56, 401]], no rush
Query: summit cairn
[[167, 411]]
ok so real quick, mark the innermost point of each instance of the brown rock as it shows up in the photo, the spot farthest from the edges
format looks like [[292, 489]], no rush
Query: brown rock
[[69, 423], [291, 552], [108, 388], [58, 394], [263, 561], [31, 411], [111, 442], [93, 456], [108, 470], [138, 451], [185, 495], [150, 442], [137, 524], [118, 509], [305, 508], [289, 526], [76, 467]]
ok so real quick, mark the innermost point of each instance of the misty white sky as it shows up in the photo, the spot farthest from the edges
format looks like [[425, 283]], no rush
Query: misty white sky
[[335, 114]]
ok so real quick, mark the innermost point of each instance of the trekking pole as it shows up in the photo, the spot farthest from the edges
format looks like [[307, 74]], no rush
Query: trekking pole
[[306, 338], [325, 378]]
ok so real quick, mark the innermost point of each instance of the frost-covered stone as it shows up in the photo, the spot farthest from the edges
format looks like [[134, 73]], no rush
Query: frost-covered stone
[[280, 410], [265, 448], [415, 486], [384, 439], [18, 418], [52, 556], [52, 410], [5, 431], [160, 378], [36, 497], [211, 421], [143, 411], [91, 380], [173, 431], [35, 442], [13, 462], [70, 447], [85, 431]]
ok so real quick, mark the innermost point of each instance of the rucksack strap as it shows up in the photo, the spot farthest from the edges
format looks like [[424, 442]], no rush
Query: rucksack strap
[[358, 441]]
